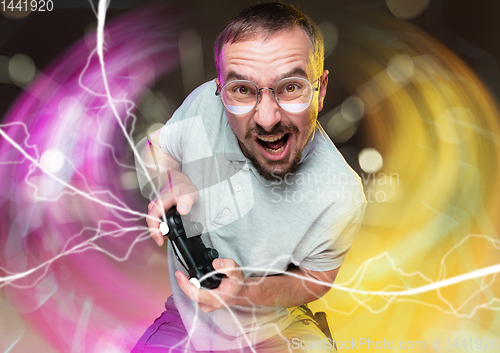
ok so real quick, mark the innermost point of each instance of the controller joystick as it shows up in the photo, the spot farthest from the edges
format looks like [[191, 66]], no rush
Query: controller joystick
[[194, 255]]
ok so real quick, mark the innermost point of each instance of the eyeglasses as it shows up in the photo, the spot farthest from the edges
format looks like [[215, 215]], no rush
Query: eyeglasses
[[293, 94]]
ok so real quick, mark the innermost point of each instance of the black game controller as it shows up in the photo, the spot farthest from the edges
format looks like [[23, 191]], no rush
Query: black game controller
[[196, 257]]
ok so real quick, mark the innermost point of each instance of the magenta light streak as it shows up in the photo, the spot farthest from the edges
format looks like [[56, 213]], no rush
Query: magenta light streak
[[89, 294]]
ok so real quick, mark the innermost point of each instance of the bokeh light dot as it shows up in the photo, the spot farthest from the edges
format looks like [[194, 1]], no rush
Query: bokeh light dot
[[352, 109], [340, 129], [129, 180], [407, 9], [52, 160], [370, 160], [400, 68], [21, 69]]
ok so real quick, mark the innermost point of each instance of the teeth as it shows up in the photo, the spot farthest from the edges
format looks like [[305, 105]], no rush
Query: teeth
[[270, 139], [275, 151]]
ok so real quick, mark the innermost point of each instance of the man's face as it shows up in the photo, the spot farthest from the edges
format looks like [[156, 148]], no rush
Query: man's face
[[270, 137]]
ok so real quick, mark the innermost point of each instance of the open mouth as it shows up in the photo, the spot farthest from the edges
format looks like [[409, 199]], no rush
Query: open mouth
[[274, 144]]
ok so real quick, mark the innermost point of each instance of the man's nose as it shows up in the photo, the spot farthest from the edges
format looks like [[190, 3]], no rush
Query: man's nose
[[267, 113]]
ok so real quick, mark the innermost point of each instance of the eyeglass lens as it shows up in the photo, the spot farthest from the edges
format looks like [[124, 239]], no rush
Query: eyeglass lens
[[292, 94]]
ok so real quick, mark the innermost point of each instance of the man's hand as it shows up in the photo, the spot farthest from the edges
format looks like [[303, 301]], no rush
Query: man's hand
[[179, 191], [293, 288], [165, 172], [228, 293]]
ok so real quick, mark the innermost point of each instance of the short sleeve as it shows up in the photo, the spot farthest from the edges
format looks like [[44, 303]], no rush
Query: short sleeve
[[329, 249]]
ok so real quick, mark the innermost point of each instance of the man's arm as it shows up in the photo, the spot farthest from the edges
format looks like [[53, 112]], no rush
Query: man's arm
[[294, 288], [176, 188]]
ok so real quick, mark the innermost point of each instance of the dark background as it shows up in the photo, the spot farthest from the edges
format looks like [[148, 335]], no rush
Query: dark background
[[469, 28]]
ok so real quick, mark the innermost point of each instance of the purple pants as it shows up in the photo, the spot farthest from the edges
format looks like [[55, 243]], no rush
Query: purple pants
[[168, 335]]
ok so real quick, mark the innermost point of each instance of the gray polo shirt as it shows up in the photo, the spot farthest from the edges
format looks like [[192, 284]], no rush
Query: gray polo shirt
[[308, 219]]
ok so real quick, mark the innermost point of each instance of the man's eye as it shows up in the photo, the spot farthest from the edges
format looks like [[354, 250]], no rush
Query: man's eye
[[291, 87], [242, 90]]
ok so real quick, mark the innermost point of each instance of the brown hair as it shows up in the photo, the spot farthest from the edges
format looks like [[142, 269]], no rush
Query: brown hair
[[267, 19]]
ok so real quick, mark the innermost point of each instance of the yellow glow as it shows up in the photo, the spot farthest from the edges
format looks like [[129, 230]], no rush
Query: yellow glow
[[436, 127]]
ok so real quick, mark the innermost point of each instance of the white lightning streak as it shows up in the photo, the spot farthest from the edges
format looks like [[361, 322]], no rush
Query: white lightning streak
[[429, 287], [76, 249], [418, 290], [101, 19], [76, 190]]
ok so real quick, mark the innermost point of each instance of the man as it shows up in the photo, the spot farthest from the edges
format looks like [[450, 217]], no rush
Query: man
[[274, 195]]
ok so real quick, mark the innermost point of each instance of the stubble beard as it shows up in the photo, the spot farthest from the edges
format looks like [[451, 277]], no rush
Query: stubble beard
[[273, 174]]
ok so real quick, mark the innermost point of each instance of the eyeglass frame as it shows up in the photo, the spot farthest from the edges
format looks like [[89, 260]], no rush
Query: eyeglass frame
[[273, 90]]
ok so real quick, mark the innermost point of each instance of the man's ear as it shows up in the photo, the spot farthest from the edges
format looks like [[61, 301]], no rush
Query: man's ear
[[217, 82], [322, 89]]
